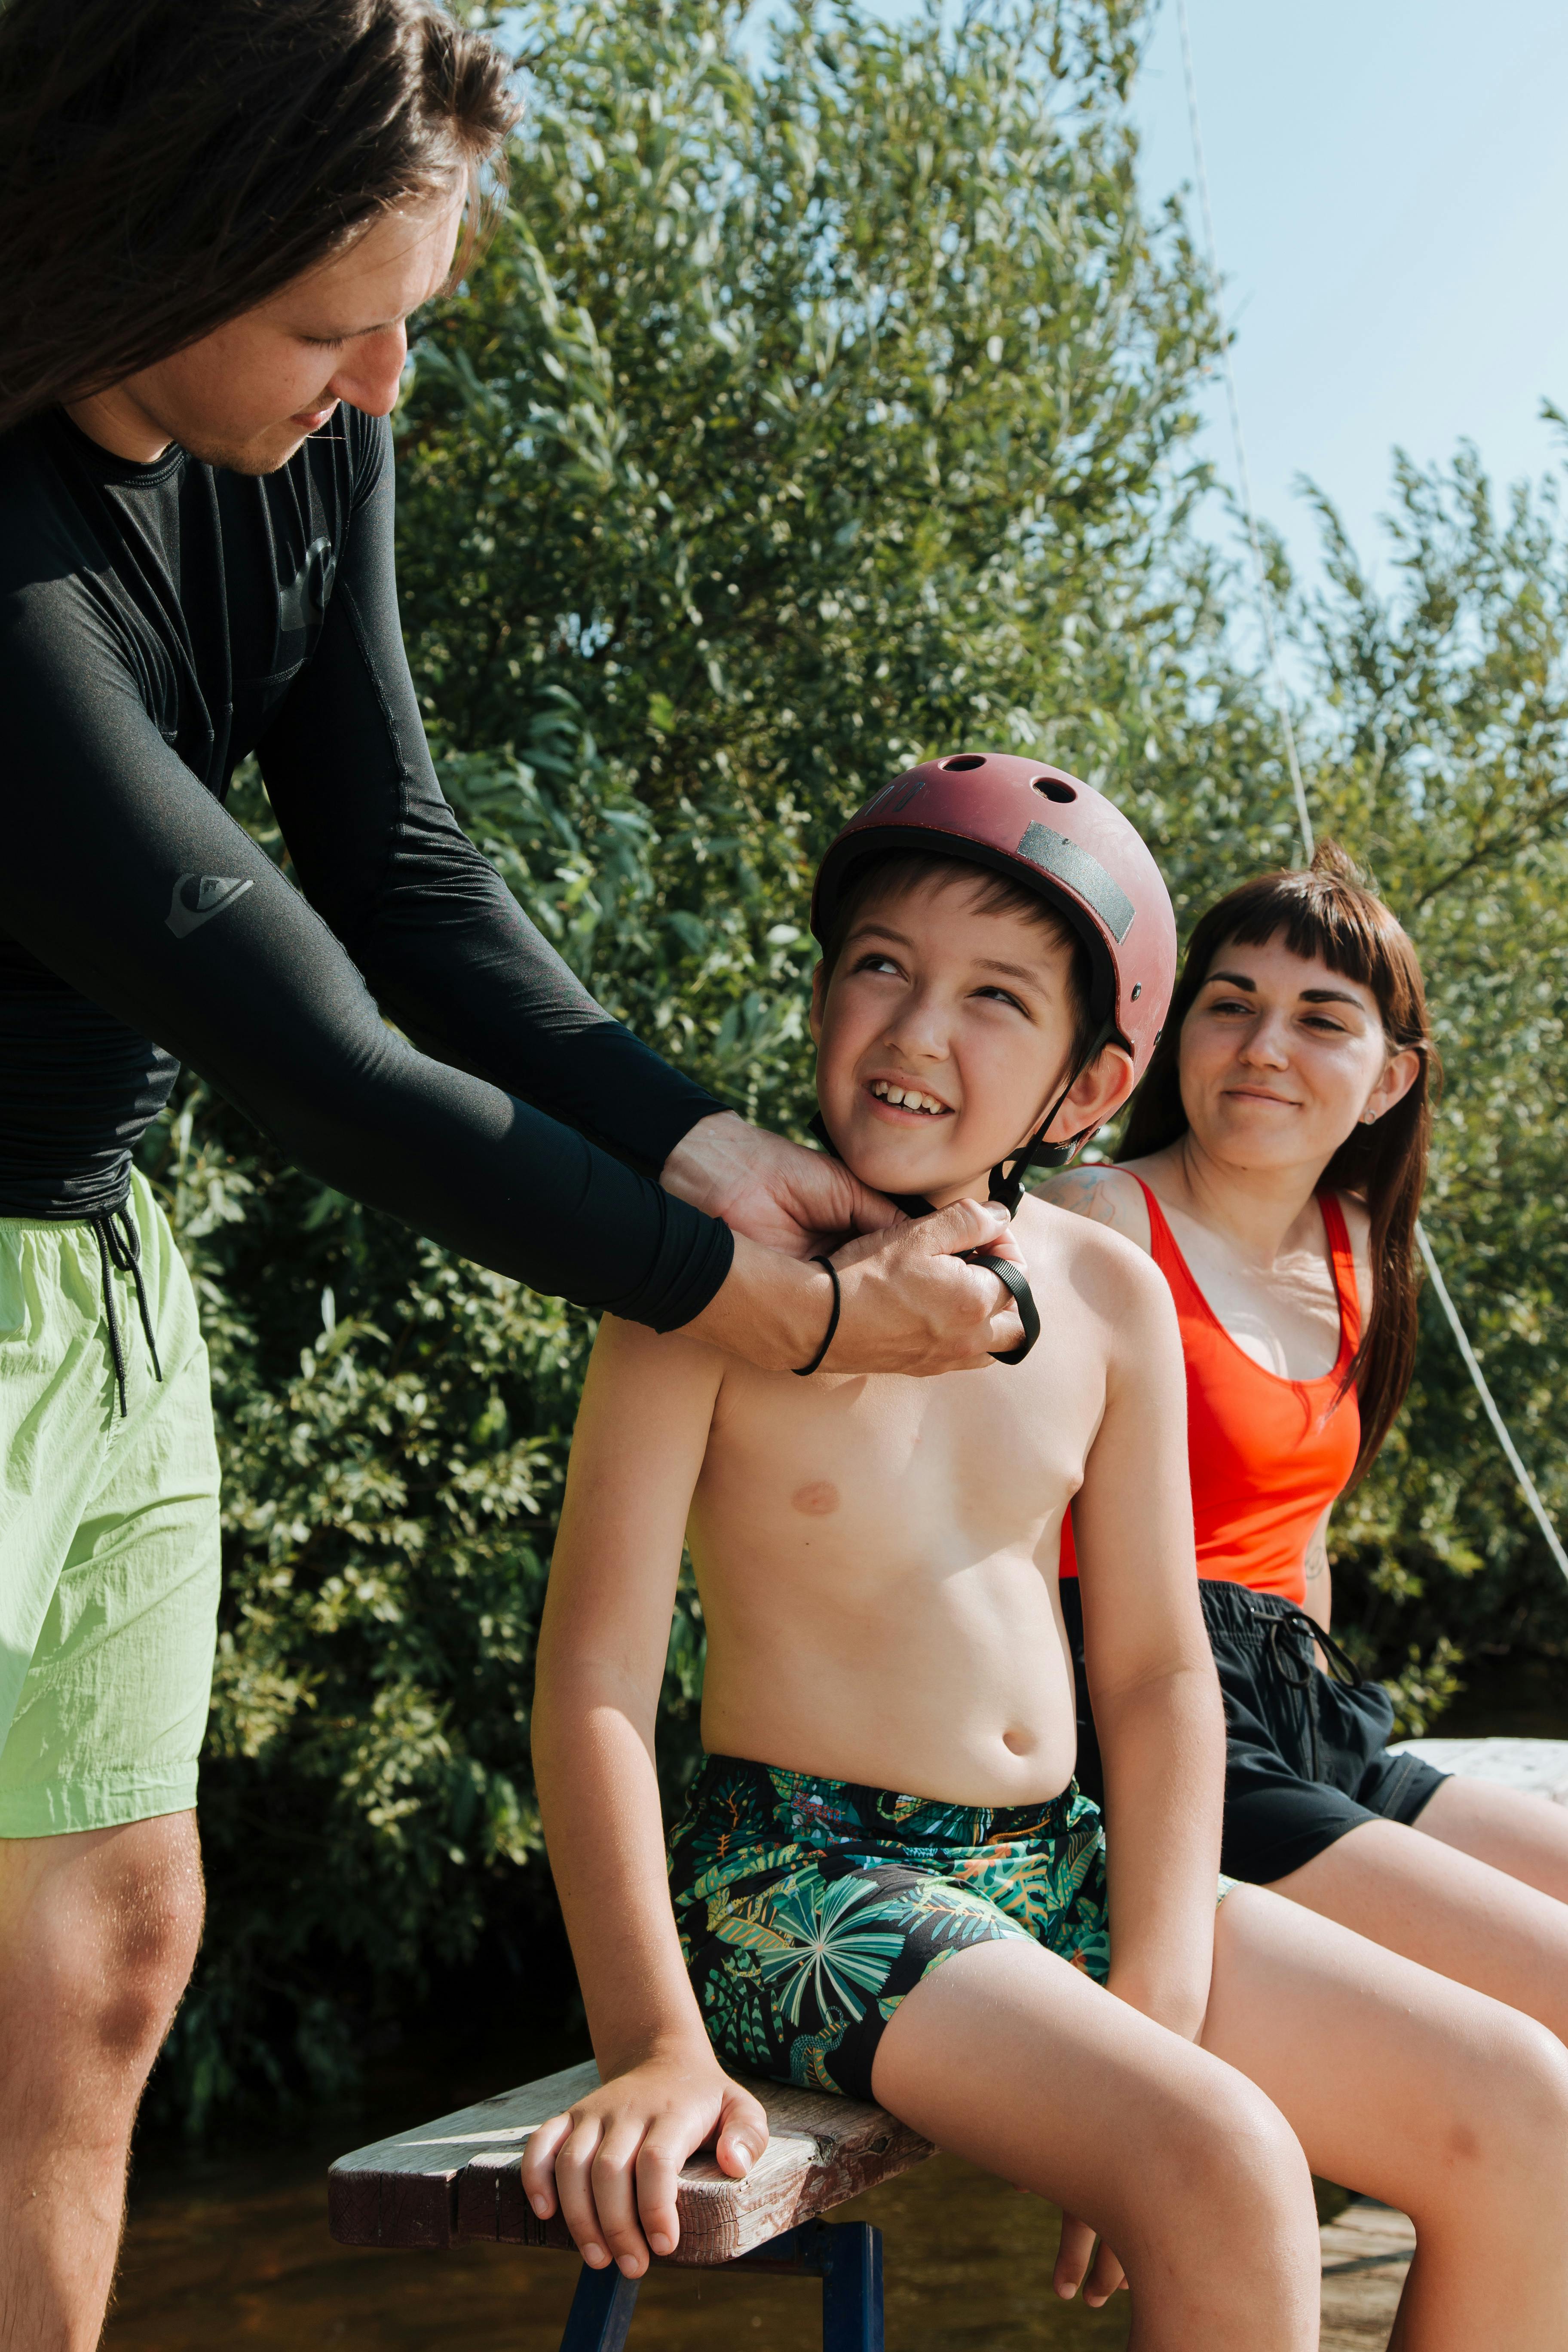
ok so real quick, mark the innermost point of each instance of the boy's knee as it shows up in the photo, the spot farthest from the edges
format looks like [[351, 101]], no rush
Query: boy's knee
[[1225, 2212], [1235, 2160]]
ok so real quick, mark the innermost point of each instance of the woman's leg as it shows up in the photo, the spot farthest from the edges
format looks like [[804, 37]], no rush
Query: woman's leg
[[1432, 1900], [1421, 2093], [1009, 2056], [1524, 1835]]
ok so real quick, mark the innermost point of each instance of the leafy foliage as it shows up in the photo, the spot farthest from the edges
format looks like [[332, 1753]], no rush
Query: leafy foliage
[[1441, 714], [807, 416]]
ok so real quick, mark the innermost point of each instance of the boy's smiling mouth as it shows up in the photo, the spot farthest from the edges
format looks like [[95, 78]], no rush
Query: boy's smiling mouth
[[897, 1093]]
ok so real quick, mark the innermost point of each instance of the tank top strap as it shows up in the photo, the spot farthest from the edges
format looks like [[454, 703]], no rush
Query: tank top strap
[[1343, 1260], [1168, 1257]]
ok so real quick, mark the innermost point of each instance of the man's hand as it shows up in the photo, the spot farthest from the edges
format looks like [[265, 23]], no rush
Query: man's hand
[[770, 1190], [888, 1280], [613, 2160], [910, 1303]]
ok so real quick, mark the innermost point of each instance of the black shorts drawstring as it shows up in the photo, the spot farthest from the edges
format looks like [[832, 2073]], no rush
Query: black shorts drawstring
[[119, 1244], [1290, 1652], [1342, 1668]]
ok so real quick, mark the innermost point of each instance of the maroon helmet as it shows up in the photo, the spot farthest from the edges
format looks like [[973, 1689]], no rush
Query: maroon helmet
[[1056, 836]]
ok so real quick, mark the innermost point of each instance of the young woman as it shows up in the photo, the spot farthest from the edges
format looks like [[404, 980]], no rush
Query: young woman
[[1272, 1168]]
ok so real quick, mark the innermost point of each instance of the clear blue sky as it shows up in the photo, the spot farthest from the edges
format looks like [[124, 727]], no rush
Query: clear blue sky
[[1390, 189]]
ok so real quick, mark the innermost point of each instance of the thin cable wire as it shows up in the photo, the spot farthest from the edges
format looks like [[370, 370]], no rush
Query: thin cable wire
[[1303, 814], [1526, 1483], [1259, 569]]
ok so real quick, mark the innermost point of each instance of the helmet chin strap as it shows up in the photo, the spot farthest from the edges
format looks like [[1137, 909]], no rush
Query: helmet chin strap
[[1012, 1278], [1007, 1176]]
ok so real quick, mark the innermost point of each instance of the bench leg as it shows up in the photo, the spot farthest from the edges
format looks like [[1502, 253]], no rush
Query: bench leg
[[846, 2257], [852, 2288], [602, 2312]]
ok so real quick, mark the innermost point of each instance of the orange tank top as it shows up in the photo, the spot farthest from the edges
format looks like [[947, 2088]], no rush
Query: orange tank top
[[1267, 1454]]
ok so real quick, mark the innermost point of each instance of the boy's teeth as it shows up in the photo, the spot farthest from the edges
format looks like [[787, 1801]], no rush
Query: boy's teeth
[[905, 1097]]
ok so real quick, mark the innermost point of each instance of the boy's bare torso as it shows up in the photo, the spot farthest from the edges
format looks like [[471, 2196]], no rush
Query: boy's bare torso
[[877, 1557]]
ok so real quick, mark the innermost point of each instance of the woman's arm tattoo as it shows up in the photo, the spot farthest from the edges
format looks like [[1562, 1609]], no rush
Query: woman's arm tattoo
[[1081, 1190]]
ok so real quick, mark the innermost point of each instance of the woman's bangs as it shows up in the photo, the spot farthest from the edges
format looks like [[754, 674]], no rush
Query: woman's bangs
[[1356, 936]]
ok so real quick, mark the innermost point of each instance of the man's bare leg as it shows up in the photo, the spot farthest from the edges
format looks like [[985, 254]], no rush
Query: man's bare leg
[[98, 1931], [1010, 2057]]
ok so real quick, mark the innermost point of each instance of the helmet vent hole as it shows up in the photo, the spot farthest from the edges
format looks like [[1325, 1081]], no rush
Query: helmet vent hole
[[964, 760], [1054, 789]]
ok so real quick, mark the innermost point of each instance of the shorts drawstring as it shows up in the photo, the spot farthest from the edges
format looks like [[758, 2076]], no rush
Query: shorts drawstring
[[1299, 1672], [120, 1245], [1341, 1667]]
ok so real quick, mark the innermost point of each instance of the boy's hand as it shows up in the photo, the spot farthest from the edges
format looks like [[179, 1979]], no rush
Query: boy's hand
[[612, 2160], [1072, 2261]]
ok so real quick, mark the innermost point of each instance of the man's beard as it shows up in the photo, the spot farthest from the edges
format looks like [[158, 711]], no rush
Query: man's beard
[[263, 452]]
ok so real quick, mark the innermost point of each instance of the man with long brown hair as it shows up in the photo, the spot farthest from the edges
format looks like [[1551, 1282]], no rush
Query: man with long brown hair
[[216, 217]]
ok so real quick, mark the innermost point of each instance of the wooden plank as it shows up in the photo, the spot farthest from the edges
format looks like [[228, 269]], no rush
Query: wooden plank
[[1367, 2237], [1538, 1767], [460, 2177], [1366, 2253], [404, 2191]]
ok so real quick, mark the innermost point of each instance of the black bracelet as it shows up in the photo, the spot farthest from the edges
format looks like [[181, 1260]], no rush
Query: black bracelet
[[803, 1371]]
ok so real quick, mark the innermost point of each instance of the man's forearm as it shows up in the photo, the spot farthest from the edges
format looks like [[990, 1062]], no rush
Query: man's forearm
[[1163, 1746]]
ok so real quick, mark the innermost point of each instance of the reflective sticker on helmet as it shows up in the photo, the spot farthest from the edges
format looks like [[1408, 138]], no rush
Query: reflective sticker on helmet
[[885, 804], [1055, 855]]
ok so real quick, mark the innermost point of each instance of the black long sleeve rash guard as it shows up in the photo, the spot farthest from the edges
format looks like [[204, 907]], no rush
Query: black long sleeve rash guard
[[157, 623]]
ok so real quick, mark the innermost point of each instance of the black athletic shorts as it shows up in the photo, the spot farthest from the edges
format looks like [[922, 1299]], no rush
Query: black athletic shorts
[[1306, 1752]]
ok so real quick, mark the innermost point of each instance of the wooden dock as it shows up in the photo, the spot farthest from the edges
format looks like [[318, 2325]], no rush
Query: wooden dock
[[1366, 2252]]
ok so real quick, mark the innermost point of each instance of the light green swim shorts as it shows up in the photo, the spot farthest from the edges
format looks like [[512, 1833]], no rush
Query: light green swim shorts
[[109, 1531]]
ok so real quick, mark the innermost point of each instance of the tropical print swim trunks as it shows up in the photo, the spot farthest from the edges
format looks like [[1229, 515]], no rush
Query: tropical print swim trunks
[[808, 1909]]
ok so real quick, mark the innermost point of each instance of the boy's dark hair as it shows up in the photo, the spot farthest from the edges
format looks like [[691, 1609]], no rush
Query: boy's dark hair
[[895, 871], [166, 164]]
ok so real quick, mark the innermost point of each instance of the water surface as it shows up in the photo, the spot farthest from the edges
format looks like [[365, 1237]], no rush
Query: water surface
[[236, 2252]]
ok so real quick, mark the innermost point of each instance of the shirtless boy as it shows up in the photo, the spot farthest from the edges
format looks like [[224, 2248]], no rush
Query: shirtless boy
[[877, 1562]]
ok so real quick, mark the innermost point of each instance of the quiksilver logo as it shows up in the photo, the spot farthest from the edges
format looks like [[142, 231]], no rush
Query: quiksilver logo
[[199, 897], [304, 600]]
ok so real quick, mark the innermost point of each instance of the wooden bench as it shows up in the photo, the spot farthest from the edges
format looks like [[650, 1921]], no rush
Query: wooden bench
[[461, 2179]]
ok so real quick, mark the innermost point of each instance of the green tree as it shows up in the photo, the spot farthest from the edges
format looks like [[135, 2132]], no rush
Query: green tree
[[809, 415], [805, 416], [1439, 713]]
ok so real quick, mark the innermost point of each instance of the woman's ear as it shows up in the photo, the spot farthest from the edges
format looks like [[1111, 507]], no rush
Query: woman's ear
[[818, 998], [1096, 1095], [1400, 1072]]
